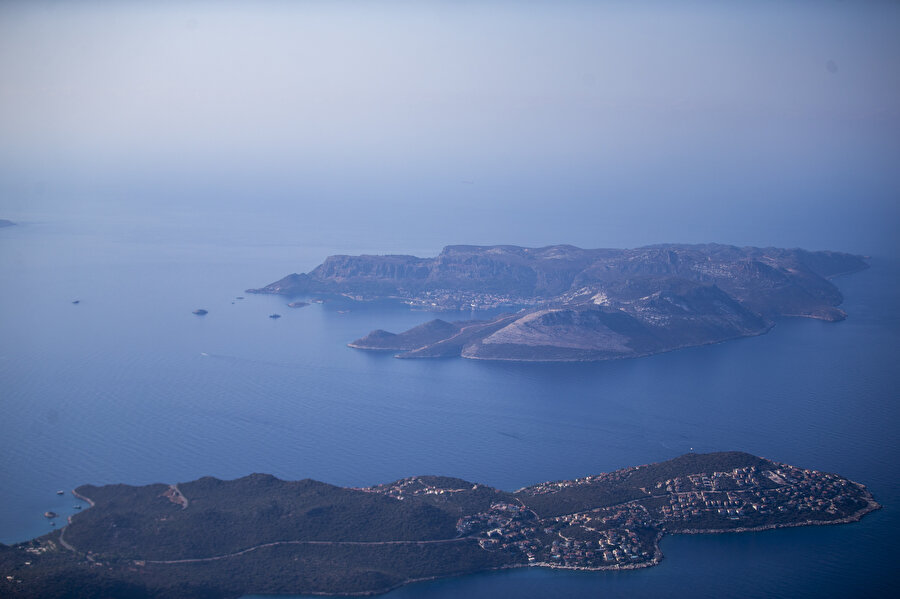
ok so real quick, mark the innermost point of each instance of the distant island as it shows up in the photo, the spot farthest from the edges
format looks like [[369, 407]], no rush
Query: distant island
[[6, 223], [572, 304], [258, 534]]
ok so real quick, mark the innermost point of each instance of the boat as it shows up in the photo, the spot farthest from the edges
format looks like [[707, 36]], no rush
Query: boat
[[49, 514], [200, 312], [274, 315], [76, 301], [60, 492], [77, 507]]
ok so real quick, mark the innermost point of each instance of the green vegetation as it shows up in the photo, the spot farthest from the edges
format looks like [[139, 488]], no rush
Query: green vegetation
[[229, 516], [258, 534], [628, 484]]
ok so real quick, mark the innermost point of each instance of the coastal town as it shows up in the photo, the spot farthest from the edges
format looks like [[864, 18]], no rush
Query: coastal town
[[456, 300], [421, 526], [625, 535]]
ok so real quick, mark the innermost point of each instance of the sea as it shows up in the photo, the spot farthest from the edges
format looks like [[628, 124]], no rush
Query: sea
[[128, 386]]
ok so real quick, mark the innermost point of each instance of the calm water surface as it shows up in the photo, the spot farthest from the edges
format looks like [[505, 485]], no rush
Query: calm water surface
[[129, 386]]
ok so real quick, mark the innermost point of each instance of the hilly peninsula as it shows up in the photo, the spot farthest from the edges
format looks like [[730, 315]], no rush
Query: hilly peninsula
[[221, 539], [565, 303]]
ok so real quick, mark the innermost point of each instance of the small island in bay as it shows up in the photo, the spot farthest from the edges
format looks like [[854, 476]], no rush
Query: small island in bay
[[258, 534], [570, 304]]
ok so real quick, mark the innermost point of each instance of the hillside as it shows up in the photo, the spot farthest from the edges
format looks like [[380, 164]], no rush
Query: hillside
[[576, 304], [258, 534]]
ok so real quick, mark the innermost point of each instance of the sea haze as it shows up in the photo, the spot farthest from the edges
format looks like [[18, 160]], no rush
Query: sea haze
[[164, 157], [399, 125]]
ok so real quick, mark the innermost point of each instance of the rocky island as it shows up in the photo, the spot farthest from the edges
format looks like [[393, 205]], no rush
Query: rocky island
[[567, 304], [258, 534]]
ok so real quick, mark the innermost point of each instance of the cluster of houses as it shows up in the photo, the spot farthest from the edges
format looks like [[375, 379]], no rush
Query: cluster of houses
[[748, 492], [602, 540], [412, 486], [503, 526], [816, 492], [454, 299], [624, 535], [606, 477], [608, 536]]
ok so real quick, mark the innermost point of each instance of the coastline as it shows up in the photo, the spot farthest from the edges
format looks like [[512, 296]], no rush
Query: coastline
[[564, 559], [871, 506], [610, 359], [62, 531], [767, 330], [83, 498]]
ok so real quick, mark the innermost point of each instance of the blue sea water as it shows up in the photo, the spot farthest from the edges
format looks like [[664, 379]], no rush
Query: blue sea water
[[129, 386]]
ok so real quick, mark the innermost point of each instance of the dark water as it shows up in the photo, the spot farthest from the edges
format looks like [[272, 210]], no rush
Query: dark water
[[129, 386]]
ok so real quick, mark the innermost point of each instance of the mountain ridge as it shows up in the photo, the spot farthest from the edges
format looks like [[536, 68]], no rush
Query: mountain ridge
[[584, 304]]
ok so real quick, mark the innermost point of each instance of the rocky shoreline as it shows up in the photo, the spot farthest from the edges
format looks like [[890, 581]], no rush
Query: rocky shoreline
[[871, 506]]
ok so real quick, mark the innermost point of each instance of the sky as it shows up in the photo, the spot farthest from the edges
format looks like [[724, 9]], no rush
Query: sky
[[420, 124]]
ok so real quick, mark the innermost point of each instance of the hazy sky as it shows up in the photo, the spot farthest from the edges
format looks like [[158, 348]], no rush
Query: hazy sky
[[595, 123]]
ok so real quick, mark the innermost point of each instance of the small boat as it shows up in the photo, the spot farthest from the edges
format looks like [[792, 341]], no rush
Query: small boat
[[60, 492], [239, 297], [274, 315], [200, 312], [50, 514], [76, 301], [77, 507]]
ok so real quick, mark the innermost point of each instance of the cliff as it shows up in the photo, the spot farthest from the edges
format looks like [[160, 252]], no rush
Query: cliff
[[585, 304]]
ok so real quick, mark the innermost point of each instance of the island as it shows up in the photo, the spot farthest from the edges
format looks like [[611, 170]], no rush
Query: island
[[258, 534], [564, 303]]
